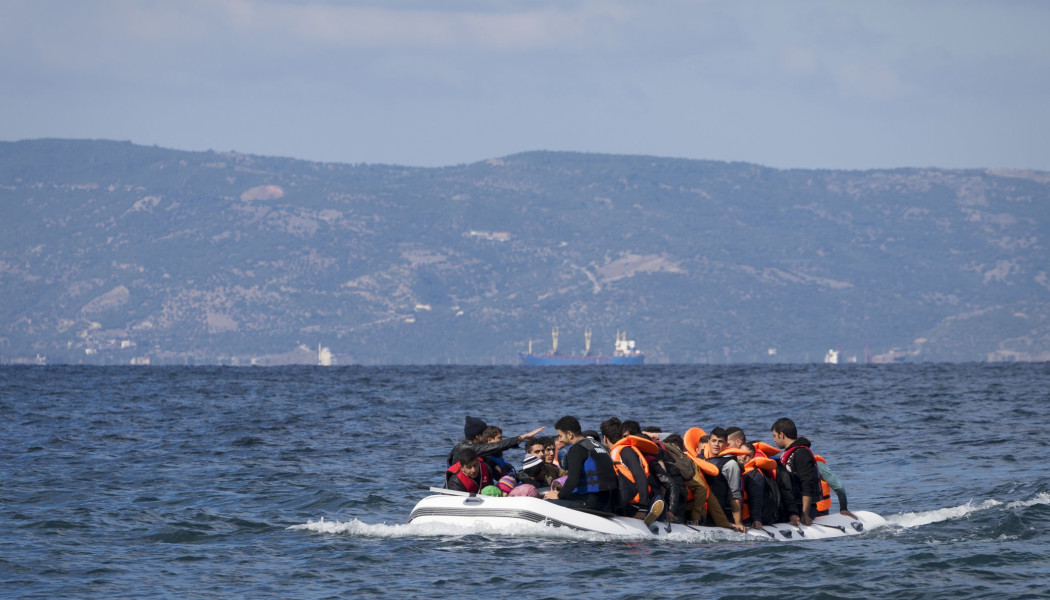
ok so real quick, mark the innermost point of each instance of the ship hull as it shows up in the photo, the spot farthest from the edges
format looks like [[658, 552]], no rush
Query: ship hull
[[557, 360]]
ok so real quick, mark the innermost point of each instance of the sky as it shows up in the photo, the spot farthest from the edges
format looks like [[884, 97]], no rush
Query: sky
[[786, 84]]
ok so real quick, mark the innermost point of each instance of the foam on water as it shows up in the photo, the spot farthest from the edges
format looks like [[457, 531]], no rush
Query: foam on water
[[916, 519], [1040, 498], [359, 528]]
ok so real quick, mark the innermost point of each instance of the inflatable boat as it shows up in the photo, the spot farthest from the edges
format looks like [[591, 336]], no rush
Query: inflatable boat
[[470, 511]]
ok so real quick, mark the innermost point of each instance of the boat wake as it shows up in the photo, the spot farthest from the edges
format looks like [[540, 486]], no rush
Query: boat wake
[[911, 520], [900, 521]]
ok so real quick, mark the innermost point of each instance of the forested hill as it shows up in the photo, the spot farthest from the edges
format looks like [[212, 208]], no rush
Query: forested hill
[[113, 253]]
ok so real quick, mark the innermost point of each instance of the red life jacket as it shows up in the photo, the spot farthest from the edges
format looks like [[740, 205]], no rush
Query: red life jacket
[[468, 483]]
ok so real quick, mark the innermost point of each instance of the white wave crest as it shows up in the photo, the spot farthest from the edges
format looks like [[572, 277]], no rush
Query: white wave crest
[[1040, 498], [916, 519]]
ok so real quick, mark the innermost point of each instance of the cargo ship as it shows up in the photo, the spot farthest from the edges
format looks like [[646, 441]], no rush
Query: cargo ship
[[625, 353]]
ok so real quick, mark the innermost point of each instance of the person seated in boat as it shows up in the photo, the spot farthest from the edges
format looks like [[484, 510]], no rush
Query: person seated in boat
[[735, 437], [700, 507], [506, 484], [472, 432], [557, 484], [761, 496], [801, 466], [534, 447], [690, 484], [828, 482], [653, 432], [663, 474], [701, 445], [591, 480], [831, 481], [726, 486], [525, 489], [707, 510], [496, 462], [550, 451], [539, 473], [468, 474], [632, 472]]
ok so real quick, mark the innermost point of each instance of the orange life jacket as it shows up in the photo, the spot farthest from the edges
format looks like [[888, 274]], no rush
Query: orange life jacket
[[640, 446], [824, 504], [766, 449], [691, 440]]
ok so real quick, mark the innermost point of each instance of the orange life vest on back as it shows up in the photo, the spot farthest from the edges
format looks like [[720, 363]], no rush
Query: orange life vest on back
[[762, 463], [640, 446], [766, 449], [824, 504]]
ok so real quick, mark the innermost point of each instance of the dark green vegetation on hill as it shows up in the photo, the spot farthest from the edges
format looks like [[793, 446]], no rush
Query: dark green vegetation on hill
[[112, 251]]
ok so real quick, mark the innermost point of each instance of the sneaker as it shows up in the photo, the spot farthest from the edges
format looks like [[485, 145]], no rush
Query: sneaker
[[655, 511]]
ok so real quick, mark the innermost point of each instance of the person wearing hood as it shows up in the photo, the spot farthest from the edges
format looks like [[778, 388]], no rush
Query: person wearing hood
[[473, 430], [799, 461]]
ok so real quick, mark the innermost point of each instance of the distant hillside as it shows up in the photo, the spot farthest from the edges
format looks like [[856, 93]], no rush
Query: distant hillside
[[114, 252]]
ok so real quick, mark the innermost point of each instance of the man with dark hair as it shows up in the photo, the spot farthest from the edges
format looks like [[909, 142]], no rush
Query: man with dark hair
[[663, 473], [735, 437], [800, 463], [468, 474], [473, 430], [631, 474], [726, 486], [534, 446], [591, 480]]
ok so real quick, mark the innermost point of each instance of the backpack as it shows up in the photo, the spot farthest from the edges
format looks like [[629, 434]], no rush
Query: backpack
[[683, 463], [771, 498]]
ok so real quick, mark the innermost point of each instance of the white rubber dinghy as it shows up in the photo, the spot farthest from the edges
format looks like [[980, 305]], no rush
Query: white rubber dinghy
[[475, 511]]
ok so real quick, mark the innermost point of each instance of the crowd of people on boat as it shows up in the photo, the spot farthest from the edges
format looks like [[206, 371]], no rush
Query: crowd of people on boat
[[716, 478]]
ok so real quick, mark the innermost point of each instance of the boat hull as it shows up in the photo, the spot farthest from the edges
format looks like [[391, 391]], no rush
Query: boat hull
[[488, 512], [554, 360]]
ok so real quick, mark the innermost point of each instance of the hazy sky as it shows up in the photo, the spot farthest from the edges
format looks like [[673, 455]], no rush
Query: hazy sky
[[801, 83]]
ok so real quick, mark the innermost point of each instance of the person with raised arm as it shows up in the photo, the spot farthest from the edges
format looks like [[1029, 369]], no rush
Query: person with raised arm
[[473, 430]]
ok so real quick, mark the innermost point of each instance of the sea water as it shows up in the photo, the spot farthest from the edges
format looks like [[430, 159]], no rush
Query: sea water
[[135, 482]]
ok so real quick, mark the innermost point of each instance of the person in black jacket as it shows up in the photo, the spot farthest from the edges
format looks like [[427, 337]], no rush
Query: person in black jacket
[[612, 432], [591, 481], [472, 432], [798, 459]]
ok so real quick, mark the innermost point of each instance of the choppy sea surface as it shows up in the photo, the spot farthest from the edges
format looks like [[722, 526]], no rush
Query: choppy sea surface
[[135, 482]]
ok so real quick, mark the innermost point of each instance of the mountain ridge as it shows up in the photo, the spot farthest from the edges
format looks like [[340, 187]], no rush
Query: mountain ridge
[[121, 252]]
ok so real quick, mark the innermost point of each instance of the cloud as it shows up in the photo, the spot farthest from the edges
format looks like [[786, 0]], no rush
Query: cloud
[[869, 80], [442, 81], [331, 25]]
